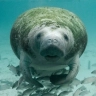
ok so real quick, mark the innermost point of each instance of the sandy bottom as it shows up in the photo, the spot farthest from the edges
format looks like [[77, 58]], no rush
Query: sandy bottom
[[7, 78]]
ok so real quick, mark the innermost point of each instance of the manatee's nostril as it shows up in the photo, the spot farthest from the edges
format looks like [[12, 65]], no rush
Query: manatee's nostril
[[49, 41], [53, 41]]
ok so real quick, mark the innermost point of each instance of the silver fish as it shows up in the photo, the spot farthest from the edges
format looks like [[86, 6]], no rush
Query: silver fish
[[24, 86], [93, 72], [53, 90], [49, 94], [94, 64], [15, 84], [88, 80], [63, 71], [64, 93], [27, 75], [45, 81], [28, 91], [18, 83], [94, 83], [65, 87], [84, 93], [94, 94], [82, 88], [79, 90], [36, 94], [76, 82], [14, 69]]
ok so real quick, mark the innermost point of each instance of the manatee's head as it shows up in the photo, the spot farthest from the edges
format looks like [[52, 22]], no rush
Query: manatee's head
[[51, 42]]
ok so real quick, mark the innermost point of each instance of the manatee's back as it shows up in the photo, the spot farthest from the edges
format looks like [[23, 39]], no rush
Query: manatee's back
[[46, 16]]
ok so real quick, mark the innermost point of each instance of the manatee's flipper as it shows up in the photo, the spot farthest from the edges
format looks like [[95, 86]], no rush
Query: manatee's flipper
[[15, 85], [28, 77], [25, 69], [67, 78], [18, 83]]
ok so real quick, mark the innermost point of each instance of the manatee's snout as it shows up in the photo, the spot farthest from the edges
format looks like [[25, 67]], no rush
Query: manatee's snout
[[50, 50]]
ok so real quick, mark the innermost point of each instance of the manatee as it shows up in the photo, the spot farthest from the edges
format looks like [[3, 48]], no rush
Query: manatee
[[49, 39]]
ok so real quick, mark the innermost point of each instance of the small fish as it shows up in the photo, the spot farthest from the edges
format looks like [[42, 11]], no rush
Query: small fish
[[94, 83], [76, 82], [45, 81], [15, 70], [27, 92], [82, 88], [88, 80], [64, 93], [84, 93], [33, 82], [27, 75], [15, 85], [49, 94], [36, 94], [24, 86], [79, 90], [53, 90], [18, 83], [19, 93], [65, 87], [93, 72], [94, 64], [63, 71], [94, 94], [43, 78]]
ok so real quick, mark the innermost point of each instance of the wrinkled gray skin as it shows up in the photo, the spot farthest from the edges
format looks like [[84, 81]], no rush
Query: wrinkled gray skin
[[50, 45], [44, 49]]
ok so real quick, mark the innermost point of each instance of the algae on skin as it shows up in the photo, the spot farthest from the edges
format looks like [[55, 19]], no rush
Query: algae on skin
[[62, 17], [56, 16]]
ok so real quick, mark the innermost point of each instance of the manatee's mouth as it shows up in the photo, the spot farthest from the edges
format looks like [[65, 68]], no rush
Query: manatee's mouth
[[52, 58], [51, 53]]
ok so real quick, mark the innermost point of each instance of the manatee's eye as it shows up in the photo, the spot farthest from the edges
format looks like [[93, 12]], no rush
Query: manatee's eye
[[39, 36], [66, 37], [38, 40]]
